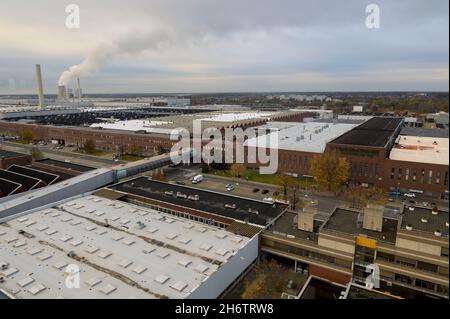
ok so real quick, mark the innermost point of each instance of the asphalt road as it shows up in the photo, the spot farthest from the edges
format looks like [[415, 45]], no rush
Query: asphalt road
[[326, 203], [47, 150]]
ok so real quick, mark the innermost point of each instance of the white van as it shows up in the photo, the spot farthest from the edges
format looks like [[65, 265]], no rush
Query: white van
[[197, 179]]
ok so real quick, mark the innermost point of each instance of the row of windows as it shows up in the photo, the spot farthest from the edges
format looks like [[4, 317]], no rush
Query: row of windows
[[305, 253], [364, 169], [410, 263], [420, 176], [422, 284]]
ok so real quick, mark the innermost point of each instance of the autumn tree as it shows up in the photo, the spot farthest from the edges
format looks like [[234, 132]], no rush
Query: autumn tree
[[27, 136], [36, 154], [283, 182], [358, 197], [330, 170], [237, 170], [89, 146], [160, 150], [133, 149], [268, 281]]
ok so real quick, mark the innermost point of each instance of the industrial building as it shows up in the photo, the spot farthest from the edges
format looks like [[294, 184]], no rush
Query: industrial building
[[118, 250], [8, 158], [410, 248]]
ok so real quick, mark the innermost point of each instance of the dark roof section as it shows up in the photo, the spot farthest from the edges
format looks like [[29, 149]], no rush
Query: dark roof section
[[26, 181], [209, 202], [424, 132], [47, 178], [8, 154], [434, 222], [66, 165], [286, 224], [375, 132], [317, 288], [62, 176], [357, 292], [350, 222], [8, 187]]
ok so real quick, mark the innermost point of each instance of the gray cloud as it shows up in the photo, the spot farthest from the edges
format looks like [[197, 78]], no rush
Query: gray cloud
[[269, 43]]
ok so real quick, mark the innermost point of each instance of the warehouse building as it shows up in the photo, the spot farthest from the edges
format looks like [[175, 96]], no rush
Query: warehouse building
[[112, 249], [410, 249]]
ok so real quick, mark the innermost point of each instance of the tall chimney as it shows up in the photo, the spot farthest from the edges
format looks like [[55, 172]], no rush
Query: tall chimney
[[62, 92], [78, 88], [40, 86]]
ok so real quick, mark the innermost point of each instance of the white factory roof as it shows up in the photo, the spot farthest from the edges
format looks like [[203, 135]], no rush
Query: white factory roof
[[149, 126], [142, 254], [305, 137], [431, 150], [235, 117]]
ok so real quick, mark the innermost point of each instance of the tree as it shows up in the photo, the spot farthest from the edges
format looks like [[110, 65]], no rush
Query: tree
[[36, 154], [266, 282], [89, 146], [237, 170], [133, 149], [27, 136], [160, 150], [358, 197], [330, 170], [283, 182]]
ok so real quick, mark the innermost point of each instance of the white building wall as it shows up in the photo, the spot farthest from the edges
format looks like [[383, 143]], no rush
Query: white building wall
[[229, 272]]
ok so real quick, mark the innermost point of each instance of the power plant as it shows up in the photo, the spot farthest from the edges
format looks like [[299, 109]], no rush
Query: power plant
[[40, 87], [62, 92]]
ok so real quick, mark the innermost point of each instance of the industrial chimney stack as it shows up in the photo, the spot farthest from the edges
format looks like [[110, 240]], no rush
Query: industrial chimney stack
[[62, 93], [78, 88], [40, 86]]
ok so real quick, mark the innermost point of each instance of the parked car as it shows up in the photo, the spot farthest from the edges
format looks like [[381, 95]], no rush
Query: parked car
[[264, 191], [409, 195], [255, 190]]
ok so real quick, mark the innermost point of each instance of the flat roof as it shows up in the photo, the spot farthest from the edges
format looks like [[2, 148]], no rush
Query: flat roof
[[66, 165], [424, 132], [46, 177], [7, 187], [375, 132], [318, 288], [286, 224], [306, 137], [432, 150], [27, 182], [430, 223], [359, 292], [209, 202], [350, 222], [9, 154], [140, 252]]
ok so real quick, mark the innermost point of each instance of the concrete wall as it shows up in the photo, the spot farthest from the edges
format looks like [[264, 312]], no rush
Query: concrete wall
[[229, 272], [57, 192]]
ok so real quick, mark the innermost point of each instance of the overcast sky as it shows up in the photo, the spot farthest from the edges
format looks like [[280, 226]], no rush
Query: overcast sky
[[157, 46]]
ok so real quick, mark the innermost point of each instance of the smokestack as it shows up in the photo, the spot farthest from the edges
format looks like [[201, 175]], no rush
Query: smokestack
[[78, 88], [40, 86], [373, 217], [305, 217], [62, 92]]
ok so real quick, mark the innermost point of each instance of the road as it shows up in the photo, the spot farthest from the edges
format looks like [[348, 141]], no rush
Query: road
[[61, 155], [326, 203]]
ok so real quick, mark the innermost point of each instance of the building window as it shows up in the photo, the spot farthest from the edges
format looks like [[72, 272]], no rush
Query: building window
[[414, 175], [438, 177], [430, 176], [427, 267], [446, 179], [403, 279], [422, 176], [407, 174], [400, 172], [425, 284], [444, 251], [392, 172], [406, 262]]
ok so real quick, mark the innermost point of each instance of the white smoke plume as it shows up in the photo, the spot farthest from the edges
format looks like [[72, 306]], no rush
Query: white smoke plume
[[132, 43]]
